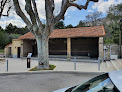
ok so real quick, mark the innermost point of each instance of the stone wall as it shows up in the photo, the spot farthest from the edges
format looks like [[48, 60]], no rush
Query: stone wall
[[101, 47], [27, 47]]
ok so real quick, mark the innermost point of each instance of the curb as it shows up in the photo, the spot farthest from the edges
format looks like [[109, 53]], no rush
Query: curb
[[47, 72]]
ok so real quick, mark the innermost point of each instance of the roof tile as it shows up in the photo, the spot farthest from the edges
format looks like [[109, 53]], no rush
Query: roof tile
[[95, 31]]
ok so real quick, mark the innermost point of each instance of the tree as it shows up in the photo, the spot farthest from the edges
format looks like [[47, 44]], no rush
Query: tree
[[60, 25], [115, 12], [3, 4], [112, 26], [1, 29], [22, 30], [6, 38], [81, 24], [34, 24], [92, 18], [10, 28], [69, 26], [112, 33]]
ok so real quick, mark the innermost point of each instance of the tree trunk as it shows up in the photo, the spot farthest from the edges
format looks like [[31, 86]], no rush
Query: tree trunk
[[43, 53]]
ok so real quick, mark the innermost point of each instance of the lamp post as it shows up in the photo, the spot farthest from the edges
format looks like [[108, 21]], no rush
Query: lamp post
[[120, 36]]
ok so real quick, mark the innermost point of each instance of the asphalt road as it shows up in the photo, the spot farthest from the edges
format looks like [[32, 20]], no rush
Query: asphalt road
[[42, 82]]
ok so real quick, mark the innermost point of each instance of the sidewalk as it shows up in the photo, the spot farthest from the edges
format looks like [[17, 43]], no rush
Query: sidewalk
[[20, 65]]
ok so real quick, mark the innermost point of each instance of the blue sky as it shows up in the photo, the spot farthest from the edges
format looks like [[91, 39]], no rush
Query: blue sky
[[72, 16]]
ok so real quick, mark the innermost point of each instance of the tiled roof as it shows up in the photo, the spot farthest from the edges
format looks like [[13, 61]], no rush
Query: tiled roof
[[95, 31], [8, 45]]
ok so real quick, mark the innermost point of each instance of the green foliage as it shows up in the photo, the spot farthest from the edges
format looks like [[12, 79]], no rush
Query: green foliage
[[112, 34], [81, 24], [9, 33], [11, 29], [108, 41], [60, 25], [2, 51], [6, 38], [115, 12], [69, 26], [1, 29], [35, 68], [112, 28]]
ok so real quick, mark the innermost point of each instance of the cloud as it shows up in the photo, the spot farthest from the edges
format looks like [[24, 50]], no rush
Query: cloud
[[103, 6], [69, 16], [16, 20], [90, 11]]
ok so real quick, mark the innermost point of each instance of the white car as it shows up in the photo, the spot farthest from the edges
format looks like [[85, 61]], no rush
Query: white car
[[108, 82]]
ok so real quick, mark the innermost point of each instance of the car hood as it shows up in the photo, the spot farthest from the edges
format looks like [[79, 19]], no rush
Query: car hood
[[116, 78]]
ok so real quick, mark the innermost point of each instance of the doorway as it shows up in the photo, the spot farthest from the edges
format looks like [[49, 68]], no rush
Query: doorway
[[18, 54]]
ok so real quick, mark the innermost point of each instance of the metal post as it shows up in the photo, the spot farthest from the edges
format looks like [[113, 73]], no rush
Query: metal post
[[120, 43], [110, 52], [104, 54], [98, 63], [74, 63], [7, 64]]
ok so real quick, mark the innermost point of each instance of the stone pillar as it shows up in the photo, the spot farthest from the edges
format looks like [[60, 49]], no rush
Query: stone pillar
[[68, 48], [101, 53]]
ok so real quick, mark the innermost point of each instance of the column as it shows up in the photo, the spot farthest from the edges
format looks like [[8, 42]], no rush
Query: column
[[69, 49], [100, 47]]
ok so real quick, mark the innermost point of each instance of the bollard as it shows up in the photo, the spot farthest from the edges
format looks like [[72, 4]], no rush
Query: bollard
[[98, 63], [110, 52], [74, 63], [104, 54], [7, 64]]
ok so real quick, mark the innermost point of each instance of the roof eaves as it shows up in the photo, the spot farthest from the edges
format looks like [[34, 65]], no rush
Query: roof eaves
[[8, 45]]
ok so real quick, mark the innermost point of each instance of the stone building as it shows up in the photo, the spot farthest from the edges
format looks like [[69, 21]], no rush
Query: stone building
[[83, 41]]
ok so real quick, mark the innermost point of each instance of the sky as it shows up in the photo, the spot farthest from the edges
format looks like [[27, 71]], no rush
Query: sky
[[72, 15]]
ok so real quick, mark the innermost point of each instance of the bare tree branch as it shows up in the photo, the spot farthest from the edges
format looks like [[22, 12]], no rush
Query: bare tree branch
[[37, 16], [79, 6], [28, 8], [2, 7], [22, 15], [62, 12], [66, 4], [49, 8], [7, 11], [53, 5]]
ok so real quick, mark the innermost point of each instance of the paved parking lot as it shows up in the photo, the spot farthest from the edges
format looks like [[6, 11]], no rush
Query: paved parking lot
[[42, 81]]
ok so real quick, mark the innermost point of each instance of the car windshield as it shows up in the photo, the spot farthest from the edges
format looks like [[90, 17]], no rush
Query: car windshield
[[98, 84]]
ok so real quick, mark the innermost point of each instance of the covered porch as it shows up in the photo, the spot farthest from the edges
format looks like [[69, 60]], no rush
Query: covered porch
[[67, 48]]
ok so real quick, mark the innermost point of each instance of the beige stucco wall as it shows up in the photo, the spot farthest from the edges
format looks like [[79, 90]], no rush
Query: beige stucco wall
[[7, 50], [15, 44]]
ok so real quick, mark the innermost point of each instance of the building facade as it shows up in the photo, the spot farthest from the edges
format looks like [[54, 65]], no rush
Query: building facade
[[83, 41]]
